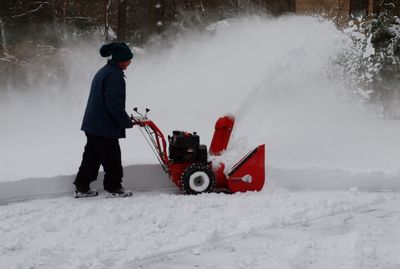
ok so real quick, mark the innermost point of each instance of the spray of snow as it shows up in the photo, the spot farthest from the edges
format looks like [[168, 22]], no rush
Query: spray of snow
[[275, 75]]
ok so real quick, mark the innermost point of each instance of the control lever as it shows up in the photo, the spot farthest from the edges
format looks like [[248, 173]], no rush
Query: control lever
[[147, 111]]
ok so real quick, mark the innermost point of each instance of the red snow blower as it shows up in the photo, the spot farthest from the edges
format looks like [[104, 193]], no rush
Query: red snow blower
[[187, 162]]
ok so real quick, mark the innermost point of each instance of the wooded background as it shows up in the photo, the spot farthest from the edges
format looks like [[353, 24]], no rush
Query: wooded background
[[53, 22], [126, 20], [33, 32]]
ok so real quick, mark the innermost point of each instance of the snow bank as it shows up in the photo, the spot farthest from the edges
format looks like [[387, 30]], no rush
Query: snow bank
[[275, 75]]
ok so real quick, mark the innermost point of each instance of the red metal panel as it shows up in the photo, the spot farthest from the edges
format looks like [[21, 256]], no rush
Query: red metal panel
[[175, 171], [249, 173]]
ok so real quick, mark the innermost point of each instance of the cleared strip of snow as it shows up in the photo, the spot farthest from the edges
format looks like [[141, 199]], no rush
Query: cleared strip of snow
[[323, 179], [151, 177], [137, 177]]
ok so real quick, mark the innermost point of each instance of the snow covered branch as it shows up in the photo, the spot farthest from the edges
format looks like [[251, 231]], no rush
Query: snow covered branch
[[28, 12]]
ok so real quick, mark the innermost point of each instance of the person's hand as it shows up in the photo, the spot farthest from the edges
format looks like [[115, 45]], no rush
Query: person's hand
[[136, 121]]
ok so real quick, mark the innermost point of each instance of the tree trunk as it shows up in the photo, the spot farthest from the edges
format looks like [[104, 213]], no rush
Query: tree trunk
[[64, 18], [107, 5], [152, 16], [174, 9], [57, 38], [122, 29], [3, 44], [159, 10]]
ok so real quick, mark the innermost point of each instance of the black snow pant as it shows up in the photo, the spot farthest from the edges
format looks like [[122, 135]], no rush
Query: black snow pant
[[100, 151]]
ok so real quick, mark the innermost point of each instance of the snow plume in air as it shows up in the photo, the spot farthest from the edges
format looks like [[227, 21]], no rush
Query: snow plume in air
[[41, 113], [280, 79], [276, 75]]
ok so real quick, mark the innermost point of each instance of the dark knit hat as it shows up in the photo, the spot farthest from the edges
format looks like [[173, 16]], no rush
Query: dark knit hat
[[119, 51]]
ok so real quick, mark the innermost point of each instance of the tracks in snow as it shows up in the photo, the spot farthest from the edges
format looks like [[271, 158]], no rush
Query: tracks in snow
[[221, 242]]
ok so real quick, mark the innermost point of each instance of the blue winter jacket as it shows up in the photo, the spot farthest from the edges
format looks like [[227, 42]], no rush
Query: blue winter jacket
[[105, 113]]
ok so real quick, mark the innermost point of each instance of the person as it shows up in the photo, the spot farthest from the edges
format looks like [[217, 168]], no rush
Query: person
[[104, 123]]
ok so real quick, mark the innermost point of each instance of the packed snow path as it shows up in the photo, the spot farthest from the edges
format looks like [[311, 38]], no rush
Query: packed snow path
[[275, 228]]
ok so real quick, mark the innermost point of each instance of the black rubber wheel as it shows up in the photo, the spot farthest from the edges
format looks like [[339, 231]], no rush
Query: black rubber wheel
[[197, 178]]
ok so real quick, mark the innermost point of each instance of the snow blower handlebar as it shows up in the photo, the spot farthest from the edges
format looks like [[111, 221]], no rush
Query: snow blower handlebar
[[155, 138], [143, 116]]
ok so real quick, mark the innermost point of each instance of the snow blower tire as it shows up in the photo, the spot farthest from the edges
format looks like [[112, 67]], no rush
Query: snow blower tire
[[197, 178]]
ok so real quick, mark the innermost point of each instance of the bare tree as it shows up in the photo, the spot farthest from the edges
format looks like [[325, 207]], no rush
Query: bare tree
[[122, 16], [107, 6]]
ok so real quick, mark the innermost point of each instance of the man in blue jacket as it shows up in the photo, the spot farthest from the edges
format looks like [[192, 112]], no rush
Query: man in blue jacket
[[104, 122]]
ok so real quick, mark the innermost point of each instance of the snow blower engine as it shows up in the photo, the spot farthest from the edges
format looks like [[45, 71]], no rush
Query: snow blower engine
[[187, 161]]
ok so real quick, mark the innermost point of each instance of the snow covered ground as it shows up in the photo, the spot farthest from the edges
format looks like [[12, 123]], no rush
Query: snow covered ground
[[365, 237], [275, 228], [332, 167]]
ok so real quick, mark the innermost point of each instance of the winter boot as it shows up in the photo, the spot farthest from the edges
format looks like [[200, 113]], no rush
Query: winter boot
[[84, 192], [121, 192]]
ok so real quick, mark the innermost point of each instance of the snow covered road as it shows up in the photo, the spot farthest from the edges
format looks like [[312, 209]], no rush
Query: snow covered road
[[368, 237], [275, 228]]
